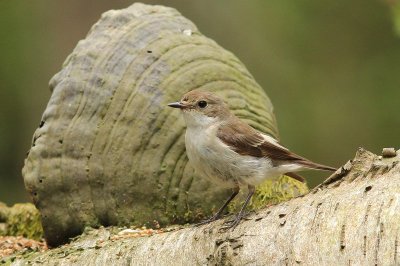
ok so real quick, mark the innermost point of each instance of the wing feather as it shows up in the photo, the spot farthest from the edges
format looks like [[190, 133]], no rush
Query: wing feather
[[245, 140]]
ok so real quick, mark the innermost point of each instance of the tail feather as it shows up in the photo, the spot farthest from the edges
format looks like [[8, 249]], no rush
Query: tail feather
[[312, 165], [296, 176]]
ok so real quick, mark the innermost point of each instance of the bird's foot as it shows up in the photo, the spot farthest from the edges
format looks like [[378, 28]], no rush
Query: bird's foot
[[209, 220], [233, 223]]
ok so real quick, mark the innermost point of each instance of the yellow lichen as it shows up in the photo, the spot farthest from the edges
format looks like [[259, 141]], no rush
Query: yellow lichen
[[271, 192]]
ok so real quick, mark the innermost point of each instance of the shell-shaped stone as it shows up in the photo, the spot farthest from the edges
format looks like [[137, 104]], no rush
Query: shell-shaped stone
[[108, 151]]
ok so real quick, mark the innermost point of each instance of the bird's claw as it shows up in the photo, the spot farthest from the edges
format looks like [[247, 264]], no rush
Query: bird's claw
[[207, 221], [235, 222], [231, 224]]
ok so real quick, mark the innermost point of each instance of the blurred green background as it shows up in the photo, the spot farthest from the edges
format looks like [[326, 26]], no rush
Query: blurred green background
[[331, 69]]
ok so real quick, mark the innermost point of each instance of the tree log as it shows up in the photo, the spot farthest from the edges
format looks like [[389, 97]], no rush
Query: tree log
[[350, 219]]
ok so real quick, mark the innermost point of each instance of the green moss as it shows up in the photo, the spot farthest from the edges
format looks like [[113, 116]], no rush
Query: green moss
[[272, 192], [22, 219]]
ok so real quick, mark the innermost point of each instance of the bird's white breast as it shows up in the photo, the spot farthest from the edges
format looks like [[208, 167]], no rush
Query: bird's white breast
[[213, 159]]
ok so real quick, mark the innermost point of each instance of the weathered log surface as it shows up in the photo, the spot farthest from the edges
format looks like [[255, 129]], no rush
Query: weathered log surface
[[352, 219], [108, 151]]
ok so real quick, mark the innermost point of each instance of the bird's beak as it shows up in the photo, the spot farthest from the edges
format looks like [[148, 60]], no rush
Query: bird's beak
[[176, 105]]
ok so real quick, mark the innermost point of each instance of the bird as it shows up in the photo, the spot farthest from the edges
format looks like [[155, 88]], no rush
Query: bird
[[228, 152]]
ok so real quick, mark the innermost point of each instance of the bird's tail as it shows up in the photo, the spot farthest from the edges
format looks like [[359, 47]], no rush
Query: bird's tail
[[312, 165]]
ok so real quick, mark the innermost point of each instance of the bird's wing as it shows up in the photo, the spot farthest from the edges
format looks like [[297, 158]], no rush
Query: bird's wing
[[245, 140]]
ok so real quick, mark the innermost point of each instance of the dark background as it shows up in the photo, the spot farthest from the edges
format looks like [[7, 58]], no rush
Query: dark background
[[331, 69]]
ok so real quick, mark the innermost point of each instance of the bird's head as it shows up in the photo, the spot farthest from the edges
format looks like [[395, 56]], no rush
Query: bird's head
[[201, 108]]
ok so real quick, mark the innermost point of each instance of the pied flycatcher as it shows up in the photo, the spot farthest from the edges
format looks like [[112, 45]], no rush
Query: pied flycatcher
[[229, 152]]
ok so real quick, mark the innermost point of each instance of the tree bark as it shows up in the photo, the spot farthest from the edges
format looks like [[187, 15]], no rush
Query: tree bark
[[350, 219]]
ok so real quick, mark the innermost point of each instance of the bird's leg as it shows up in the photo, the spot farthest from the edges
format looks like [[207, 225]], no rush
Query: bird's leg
[[240, 215], [221, 210]]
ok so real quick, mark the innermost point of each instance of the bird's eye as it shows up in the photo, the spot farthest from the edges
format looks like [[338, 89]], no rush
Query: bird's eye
[[202, 104]]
